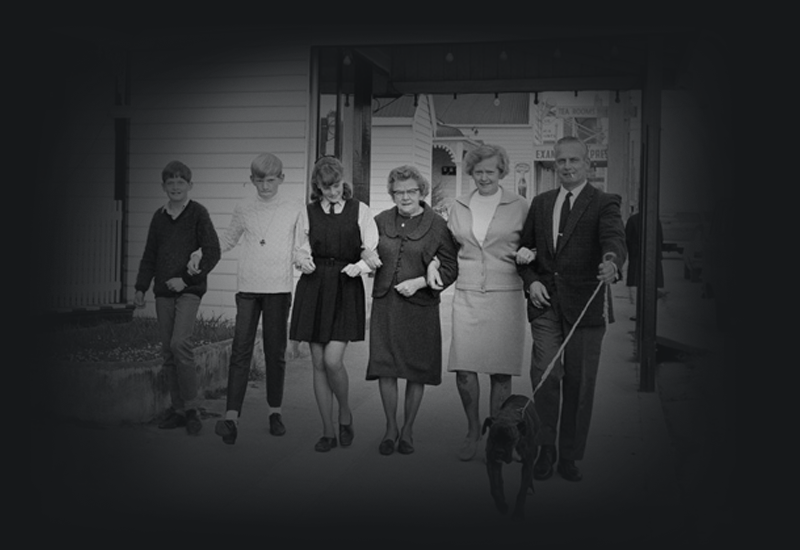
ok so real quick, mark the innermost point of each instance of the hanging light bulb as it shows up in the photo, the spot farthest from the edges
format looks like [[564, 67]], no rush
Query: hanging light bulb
[[496, 100]]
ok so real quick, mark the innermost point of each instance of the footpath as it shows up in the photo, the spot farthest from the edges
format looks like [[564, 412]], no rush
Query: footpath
[[117, 484]]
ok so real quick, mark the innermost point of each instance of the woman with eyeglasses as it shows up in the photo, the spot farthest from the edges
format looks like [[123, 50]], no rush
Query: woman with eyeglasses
[[329, 308], [405, 330], [488, 304]]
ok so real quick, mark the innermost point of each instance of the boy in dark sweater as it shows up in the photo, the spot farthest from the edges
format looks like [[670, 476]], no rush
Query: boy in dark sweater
[[177, 228]]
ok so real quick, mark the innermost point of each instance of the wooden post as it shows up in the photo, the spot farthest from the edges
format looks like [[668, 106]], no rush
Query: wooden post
[[362, 128], [122, 98], [651, 133], [617, 175]]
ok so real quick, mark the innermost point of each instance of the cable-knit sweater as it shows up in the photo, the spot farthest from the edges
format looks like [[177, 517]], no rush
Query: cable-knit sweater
[[169, 245], [272, 232]]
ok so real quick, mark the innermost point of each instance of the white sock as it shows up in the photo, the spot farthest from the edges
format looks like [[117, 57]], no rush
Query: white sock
[[232, 415], [274, 410]]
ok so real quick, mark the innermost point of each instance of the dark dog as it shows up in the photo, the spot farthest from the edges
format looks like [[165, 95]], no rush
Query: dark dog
[[512, 436]]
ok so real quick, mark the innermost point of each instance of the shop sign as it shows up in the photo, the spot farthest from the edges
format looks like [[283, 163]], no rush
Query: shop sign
[[585, 111], [547, 152]]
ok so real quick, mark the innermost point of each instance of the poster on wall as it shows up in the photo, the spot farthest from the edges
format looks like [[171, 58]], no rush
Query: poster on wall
[[522, 179]]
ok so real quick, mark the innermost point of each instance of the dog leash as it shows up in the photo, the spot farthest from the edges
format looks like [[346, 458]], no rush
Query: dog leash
[[560, 352]]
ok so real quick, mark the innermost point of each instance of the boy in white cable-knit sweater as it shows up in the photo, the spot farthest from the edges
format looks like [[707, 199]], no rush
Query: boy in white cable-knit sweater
[[269, 227]]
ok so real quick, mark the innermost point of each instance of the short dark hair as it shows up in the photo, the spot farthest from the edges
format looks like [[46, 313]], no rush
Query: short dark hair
[[176, 169], [328, 171]]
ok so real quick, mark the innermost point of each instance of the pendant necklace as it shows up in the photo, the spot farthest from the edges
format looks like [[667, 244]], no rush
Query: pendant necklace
[[265, 232]]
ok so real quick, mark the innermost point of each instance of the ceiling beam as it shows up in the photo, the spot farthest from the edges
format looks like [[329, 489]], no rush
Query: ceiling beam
[[517, 85], [379, 57]]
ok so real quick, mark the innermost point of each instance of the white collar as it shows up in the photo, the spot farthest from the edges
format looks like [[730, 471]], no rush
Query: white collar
[[326, 203], [575, 192]]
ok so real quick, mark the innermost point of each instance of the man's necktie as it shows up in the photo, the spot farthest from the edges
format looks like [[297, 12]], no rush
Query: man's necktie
[[562, 222]]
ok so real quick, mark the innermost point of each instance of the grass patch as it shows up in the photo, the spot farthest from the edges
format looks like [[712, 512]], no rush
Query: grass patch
[[136, 340]]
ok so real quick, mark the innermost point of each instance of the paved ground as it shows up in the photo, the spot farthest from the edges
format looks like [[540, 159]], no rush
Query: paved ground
[[654, 476]]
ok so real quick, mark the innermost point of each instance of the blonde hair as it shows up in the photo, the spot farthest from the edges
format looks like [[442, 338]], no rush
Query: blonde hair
[[266, 165], [487, 151]]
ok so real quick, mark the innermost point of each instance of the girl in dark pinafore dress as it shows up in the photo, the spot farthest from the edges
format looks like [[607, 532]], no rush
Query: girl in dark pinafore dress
[[330, 307]]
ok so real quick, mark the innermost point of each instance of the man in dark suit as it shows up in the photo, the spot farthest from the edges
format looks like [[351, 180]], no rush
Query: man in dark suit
[[579, 238]]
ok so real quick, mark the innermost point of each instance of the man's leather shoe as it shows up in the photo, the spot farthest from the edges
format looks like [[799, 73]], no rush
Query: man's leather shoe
[[569, 471], [276, 426], [543, 468]]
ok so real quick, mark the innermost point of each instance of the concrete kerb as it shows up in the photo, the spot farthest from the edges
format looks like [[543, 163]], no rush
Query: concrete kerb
[[135, 392]]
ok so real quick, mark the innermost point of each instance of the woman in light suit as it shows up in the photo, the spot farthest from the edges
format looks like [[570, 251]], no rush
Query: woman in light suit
[[488, 305]]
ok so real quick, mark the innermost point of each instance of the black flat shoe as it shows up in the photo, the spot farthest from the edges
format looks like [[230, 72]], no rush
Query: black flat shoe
[[227, 430], [325, 444], [276, 426], [543, 468], [346, 433], [405, 447], [569, 471], [386, 447]]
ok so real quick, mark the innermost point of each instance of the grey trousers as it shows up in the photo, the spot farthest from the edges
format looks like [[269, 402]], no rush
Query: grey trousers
[[176, 317]]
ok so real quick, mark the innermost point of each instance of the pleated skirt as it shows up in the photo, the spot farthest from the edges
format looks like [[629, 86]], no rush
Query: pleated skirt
[[328, 305]]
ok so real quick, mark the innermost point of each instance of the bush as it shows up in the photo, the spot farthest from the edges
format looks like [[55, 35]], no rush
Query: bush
[[136, 340]]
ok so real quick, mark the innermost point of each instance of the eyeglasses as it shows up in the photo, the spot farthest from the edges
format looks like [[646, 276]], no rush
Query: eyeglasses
[[410, 192]]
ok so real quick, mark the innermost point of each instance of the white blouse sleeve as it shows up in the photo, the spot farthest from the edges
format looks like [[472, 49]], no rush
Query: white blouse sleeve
[[302, 248], [369, 234]]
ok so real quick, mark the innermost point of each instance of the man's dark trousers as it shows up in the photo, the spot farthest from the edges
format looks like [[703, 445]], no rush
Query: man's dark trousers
[[569, 387], [273, 309]]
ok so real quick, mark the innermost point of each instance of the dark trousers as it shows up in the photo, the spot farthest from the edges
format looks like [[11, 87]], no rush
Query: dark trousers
[[567, 395], [273, 310]]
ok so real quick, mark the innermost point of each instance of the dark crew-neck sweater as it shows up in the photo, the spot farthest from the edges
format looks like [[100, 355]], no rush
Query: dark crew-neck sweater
[[169, 245]]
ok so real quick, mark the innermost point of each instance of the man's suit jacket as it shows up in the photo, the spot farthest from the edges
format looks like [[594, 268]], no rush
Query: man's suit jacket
[[594, 229]]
